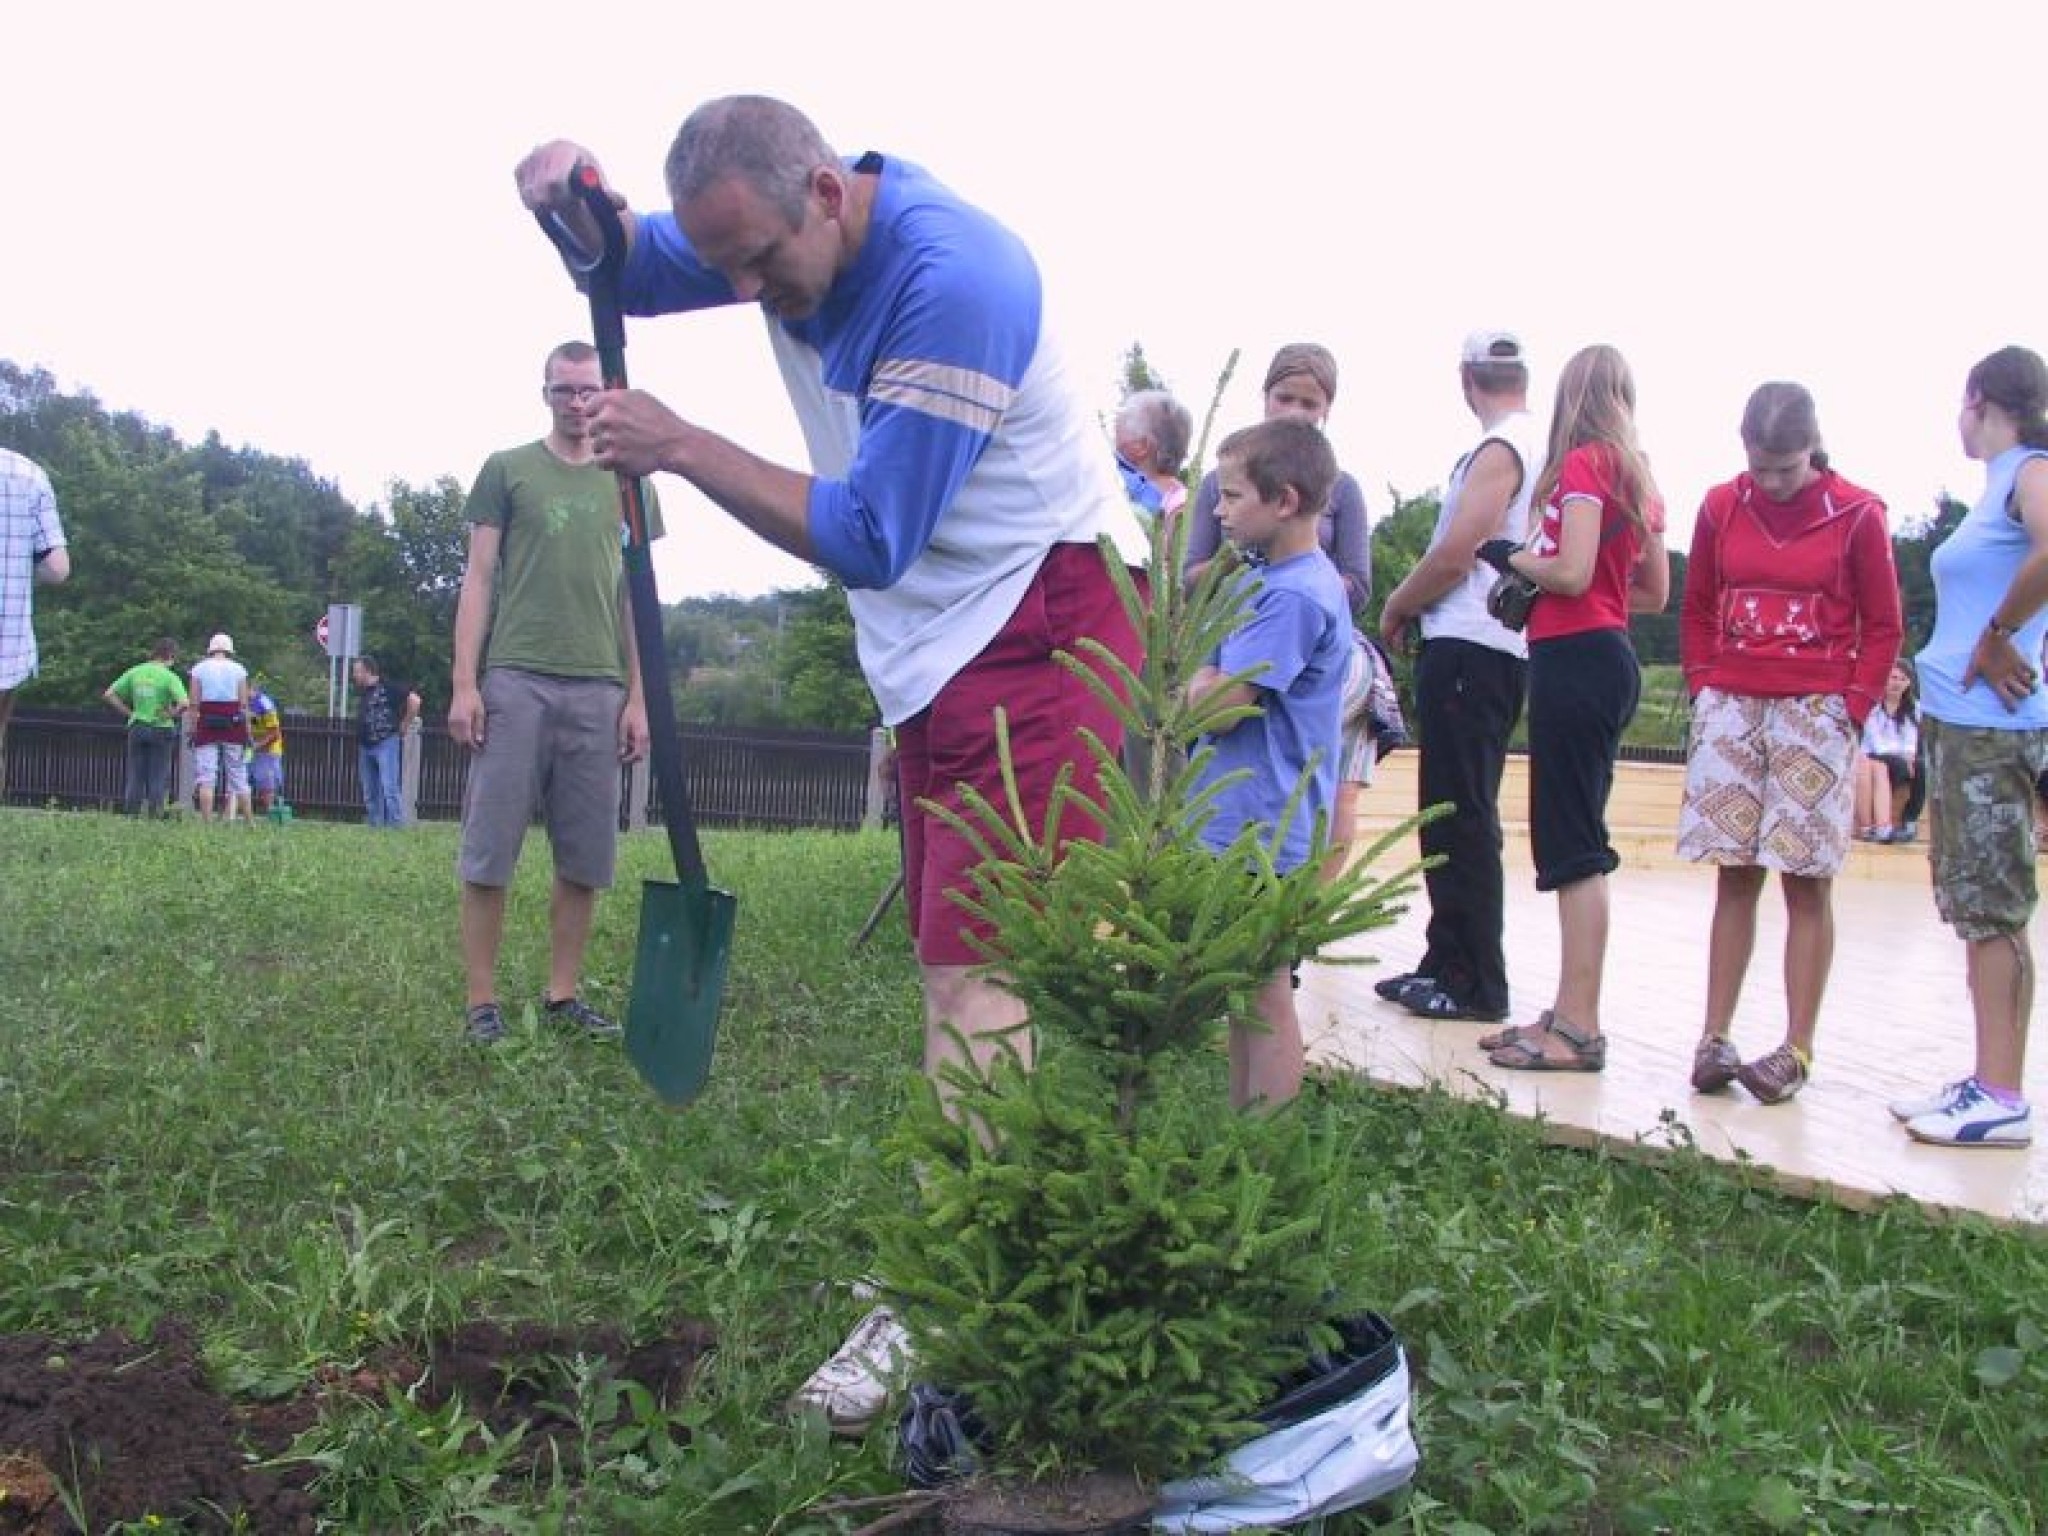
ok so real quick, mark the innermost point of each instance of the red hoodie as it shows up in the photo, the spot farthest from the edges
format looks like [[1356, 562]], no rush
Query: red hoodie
[[1791, 597]]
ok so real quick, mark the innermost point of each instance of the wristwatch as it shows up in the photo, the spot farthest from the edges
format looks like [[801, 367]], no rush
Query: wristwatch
[[2006, 631]]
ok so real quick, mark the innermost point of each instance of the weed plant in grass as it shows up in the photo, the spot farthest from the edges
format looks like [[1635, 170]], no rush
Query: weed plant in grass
[[233, 1093]]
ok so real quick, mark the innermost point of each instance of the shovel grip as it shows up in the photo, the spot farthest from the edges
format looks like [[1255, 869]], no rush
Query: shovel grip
[[599, 276], [598, 271]]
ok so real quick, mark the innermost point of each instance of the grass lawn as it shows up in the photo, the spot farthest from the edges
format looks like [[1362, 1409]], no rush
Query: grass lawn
[[233, 1099], [1661, 716]]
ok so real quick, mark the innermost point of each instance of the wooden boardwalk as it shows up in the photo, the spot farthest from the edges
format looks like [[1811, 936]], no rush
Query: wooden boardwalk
[[1896, 1020]]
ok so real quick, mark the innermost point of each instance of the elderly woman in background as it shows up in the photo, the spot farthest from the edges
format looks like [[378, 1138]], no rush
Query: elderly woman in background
[[1984, 729], [1153, 432]]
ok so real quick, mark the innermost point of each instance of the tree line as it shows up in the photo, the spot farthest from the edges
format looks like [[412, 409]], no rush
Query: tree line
[[171, 539], [180, 540]]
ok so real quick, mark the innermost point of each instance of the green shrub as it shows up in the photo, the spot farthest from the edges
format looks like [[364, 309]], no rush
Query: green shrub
[[1110, 1264]]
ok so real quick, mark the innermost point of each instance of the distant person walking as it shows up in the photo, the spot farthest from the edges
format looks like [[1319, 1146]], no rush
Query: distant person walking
[[385, 711], [1597, 556], [151, 697], [1787, 631], [220, 730], [32, 551], [1470, 676], [266, 751], [1985, 730]]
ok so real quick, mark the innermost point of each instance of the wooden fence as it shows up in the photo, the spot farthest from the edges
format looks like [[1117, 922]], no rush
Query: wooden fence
[[737, 777]]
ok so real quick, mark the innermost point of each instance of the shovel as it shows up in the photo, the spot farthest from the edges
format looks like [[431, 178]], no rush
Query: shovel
[[685, 925]]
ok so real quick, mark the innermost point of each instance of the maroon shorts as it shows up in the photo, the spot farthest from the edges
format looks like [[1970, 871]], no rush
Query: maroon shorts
[[952, 742]]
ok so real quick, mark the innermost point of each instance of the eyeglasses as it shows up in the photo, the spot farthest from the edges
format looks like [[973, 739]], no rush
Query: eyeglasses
[[581, 394]]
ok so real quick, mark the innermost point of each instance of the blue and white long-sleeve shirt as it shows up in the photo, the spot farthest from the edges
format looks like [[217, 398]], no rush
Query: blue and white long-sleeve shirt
[[949, 446]]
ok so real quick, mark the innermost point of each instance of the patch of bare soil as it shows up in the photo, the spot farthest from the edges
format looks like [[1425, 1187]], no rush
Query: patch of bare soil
[[120, 1429], [1092, 1504]]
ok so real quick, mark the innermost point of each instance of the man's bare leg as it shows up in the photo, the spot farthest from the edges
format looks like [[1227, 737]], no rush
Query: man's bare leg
[[483, 931], [570, 911], [985, 1015], [1266, 1067]]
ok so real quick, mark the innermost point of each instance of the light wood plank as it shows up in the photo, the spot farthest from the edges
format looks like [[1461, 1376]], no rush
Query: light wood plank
[[1896, 1022]]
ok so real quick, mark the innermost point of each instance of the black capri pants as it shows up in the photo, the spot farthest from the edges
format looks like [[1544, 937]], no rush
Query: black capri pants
[[1583, 691]]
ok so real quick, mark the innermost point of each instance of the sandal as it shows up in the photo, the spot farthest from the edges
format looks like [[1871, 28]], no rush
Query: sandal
[[1514, 1034], [1524, 1054]]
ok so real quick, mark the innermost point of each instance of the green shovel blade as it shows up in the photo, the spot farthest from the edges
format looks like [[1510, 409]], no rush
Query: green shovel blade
[[678, 983]]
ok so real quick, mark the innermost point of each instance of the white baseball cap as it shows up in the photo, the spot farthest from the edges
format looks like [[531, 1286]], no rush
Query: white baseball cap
[[1493, 347], [221, 642]]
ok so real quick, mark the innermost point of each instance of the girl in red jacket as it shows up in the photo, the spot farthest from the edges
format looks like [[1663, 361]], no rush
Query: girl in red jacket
[[1787, 632]]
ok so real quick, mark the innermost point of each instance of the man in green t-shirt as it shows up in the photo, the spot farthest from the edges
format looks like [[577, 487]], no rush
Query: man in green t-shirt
[[150, 696], [557, 708]]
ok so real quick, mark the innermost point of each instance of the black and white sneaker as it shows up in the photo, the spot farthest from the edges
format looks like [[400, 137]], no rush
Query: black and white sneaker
[[577, 1014], [1398, 989]]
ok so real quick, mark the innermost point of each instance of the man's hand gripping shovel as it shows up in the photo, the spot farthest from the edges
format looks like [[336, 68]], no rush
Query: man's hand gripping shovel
[[685, 927]]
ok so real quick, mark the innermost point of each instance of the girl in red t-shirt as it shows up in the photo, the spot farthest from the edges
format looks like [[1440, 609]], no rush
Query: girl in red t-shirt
[[1598, 555]]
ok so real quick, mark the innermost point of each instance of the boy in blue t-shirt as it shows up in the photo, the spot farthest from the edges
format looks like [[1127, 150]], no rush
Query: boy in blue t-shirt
[[1274, 479]]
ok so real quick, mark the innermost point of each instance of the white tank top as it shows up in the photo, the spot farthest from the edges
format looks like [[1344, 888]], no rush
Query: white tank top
[[1460, 614]]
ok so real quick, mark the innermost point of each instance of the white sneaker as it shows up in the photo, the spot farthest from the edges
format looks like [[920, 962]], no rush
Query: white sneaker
[[1975, 1119], [1928, 1103], [852, 1388]]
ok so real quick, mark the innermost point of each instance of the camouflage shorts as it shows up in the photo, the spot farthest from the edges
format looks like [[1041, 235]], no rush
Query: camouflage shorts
[[1980, 793]]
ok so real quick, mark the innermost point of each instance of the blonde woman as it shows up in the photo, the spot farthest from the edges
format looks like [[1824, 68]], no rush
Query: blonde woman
[[1597, 554]]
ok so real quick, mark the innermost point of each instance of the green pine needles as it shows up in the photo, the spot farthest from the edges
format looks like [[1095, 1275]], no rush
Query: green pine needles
[[1110, 1263]]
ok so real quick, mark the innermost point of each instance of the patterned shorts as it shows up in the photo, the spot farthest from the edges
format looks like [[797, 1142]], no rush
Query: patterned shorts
[[1980, 793], [1359, 753], [1768, 783], [209, 761]]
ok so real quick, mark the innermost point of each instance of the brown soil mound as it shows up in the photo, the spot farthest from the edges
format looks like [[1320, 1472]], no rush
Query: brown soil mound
[[122, 1429]]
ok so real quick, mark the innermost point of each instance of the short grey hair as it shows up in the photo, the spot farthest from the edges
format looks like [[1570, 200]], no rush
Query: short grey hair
[[768, 144], [1156, 416]]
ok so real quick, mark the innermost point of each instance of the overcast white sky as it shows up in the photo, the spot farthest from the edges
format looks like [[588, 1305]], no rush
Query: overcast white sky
[[295, 224]]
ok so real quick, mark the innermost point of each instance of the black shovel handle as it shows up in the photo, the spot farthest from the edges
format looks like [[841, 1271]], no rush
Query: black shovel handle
[[600, 274]]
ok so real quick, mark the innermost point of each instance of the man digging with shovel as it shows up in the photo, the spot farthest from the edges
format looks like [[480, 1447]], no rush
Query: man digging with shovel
[[957, 487]]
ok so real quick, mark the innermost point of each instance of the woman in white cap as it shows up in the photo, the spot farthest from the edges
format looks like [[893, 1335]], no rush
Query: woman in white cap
[[220, 728]]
